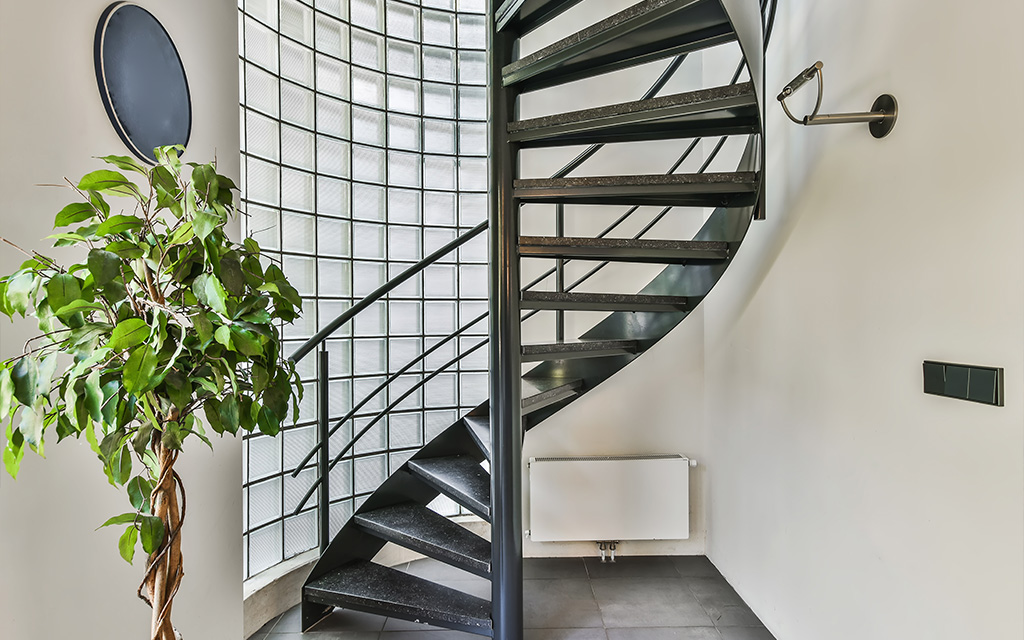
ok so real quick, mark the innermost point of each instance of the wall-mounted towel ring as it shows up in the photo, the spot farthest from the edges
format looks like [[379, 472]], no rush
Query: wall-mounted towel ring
[[881, 119]]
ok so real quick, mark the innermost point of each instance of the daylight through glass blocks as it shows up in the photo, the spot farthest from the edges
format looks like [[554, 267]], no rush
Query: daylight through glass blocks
[[364, 150]]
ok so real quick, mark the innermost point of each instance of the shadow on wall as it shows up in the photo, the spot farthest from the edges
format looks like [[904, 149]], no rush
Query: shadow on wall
[[795, 154]]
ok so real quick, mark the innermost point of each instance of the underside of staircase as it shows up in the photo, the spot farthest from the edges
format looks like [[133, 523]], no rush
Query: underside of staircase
[[476, 461]]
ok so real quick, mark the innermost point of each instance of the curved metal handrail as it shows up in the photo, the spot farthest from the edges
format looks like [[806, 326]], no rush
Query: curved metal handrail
[[323, 334]]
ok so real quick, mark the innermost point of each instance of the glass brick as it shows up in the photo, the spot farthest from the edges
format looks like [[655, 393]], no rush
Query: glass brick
[[368, 164], [472, 281], [439, 318], [368, 126], [473, 138], [301, 531], [369, 356], [335, 277], [368, 87], [439, 172], [370, 472], [472, 6], [404, 317], [473, 174], [438, 28], [472, 209], [297, 443], [439, 209], [403, 95], [332, 197], [262, 90], [370, 396], [405, 430], [403, 132], [332, 156], [368, 240], [297, 63], [472, 67], [473, 103], [440, 4], [402, 352], [332, 237], [265, 548], [437, 421], [438, 64], [403, 58], [397, 459], [296, 105], [366, 276], [439, 136], [442, 391], [403, 21], [301, 273], [261, 45], [263, 10], [332, 37], [473, 358], [297, 22], [403, 243], [410, 288], [263, 181], [332, 116], [297, 190], [475, 250], [368, 14], [404, 206], [336, 8], [262, 225], [340, 357], [264, 455], [438, 100], [340, 399], [264, 501], [472, 389], [404, 169], [368, 202], [262, 136], [406, 393], [299, 232], [297, 147], [332, 77], [367, 49], [472, 31], [439, 281]]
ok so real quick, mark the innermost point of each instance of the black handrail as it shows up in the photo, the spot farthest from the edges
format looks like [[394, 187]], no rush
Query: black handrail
[[385, 289], [389, 286]]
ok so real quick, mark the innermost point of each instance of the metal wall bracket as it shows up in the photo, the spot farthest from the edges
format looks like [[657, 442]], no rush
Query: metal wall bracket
[[880, 120]]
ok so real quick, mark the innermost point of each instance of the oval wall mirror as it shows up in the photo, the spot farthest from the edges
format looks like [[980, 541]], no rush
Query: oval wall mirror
[[142, 80]]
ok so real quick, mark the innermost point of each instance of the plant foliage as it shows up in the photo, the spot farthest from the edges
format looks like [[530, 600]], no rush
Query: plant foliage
[[166, 321]]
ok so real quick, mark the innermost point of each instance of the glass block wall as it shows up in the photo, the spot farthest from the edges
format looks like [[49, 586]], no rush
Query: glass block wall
[[364, 149]]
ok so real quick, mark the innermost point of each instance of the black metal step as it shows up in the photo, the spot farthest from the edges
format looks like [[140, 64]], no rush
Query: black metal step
[[646, 31], [729, 110], [364, 586], [416, 527], [539, 393], [523, 16], [581, 349], [480, 429], [461, 478], [683, 190], [625, 250], [605, 302]]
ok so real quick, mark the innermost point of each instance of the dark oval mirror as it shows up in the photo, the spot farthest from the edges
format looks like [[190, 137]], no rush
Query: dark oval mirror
[[141, 80]]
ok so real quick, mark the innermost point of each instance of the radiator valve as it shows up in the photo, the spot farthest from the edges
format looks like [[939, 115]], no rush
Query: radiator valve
[[607, 547]]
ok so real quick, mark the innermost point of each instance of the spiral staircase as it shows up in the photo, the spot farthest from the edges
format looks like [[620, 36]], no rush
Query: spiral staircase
[[477, 461]]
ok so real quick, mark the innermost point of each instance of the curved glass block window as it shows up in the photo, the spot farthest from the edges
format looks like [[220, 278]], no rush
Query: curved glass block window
[[364, 148]]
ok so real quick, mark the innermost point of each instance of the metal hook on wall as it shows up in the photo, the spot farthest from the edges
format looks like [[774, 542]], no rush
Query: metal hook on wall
[[881, 119]]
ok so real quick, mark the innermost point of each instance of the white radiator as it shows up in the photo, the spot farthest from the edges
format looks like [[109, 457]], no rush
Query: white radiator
[[609, 498]]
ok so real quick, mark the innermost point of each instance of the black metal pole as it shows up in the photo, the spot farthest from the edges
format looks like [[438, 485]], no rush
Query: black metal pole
[[505, 368], [323, 427], [560, 273]]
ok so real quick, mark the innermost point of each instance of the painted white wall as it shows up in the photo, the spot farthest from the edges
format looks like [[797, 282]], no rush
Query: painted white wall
[[844, 503], [59, 578]]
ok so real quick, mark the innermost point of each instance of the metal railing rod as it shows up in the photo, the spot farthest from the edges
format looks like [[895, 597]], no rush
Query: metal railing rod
[[394, 376], [385, 289], [380, 416]]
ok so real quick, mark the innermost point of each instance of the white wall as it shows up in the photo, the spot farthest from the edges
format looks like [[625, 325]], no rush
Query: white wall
[[59, 578], [844, 503]]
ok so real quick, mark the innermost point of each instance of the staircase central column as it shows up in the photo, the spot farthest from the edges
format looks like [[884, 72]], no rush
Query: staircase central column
[[505, 367]]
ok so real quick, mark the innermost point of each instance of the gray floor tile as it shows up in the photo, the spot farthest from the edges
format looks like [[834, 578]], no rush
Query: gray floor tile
[[551, 568], [326, 635], [632, 567], [648, 602], [745, 633], [560, 604], [258, 636], [435, 570], [289, 621], [695, 566], [713, 592], [344, 620], [733, 615], [665, 633], [595, 633], [394, 624]]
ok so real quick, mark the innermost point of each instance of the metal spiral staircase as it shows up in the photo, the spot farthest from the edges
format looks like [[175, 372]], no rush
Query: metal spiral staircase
[[477, 461]]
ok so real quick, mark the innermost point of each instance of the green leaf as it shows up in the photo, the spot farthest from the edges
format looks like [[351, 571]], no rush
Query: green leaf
[[124, 518], [25, 375], [110, 182], [109, 409], [204, 224], [19, 291], [260, 378], [63, 289], [94, 395], [78, 306], [137, 375], [32, 425], [126, 249], [210, 292], [246, 343], [14, 452], [129, 333], [139, 490], [223, 336], [126, 545], [268, 422], [74, 213], [152, 533], [125, 163], [229, 414], [118, 224], [203, 327], [232, 276], [104, 266], [121, 465], [212, 410]]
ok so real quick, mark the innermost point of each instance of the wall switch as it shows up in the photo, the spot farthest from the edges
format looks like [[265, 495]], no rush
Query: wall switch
[[964, 382]]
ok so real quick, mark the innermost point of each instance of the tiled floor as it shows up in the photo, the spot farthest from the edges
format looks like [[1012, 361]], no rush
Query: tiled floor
[[636, 598]]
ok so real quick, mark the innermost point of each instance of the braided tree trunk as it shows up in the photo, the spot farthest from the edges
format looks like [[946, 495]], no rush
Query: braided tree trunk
[[164, 567]]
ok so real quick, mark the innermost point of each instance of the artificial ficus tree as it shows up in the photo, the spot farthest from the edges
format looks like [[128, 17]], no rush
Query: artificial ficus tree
[[166, 322]]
